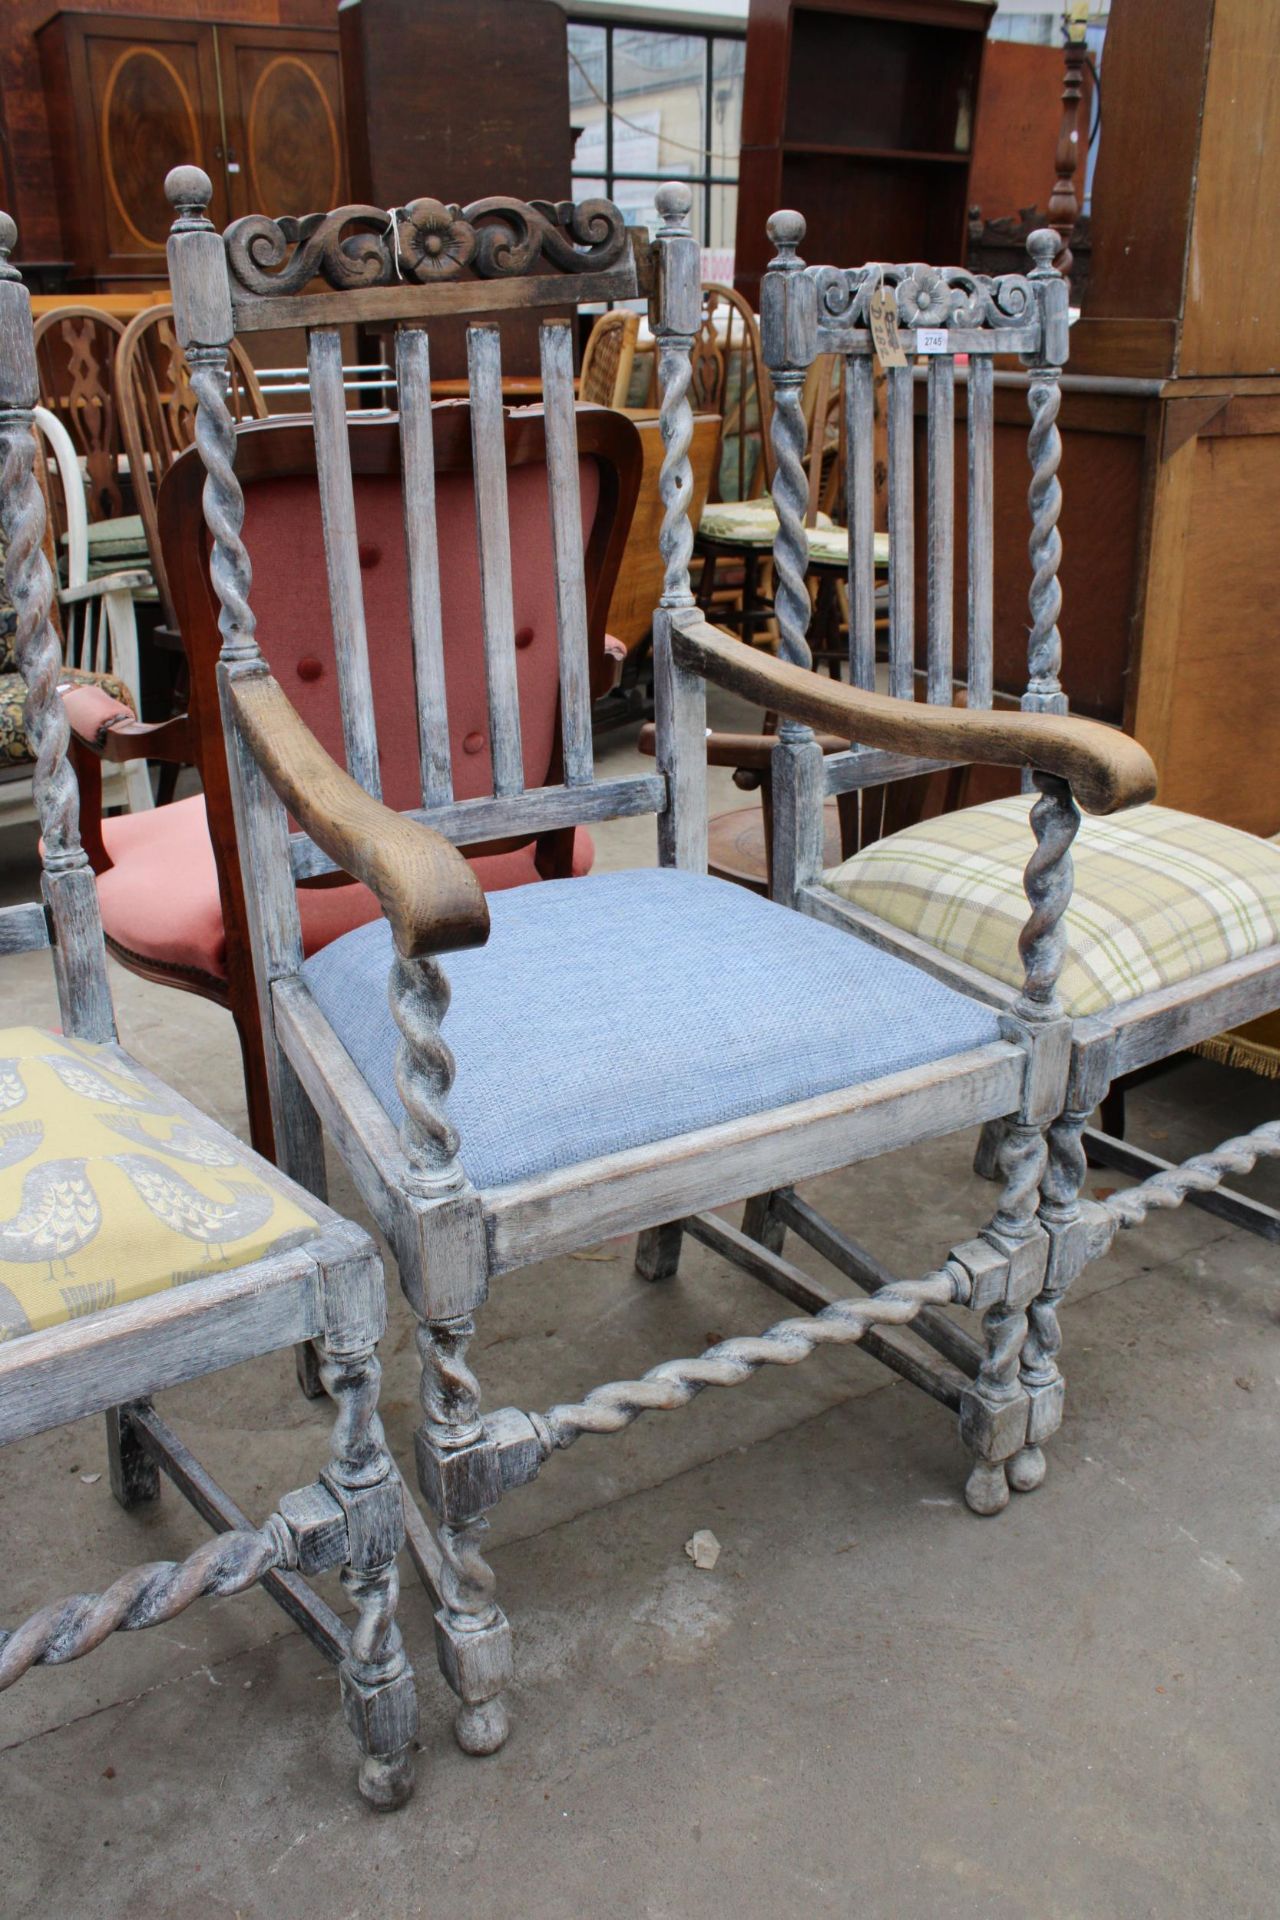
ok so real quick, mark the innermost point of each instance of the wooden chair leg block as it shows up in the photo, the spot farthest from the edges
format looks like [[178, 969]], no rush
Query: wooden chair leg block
[[134, 1475], [383, 1719], [476, 1661], [658, 1251]]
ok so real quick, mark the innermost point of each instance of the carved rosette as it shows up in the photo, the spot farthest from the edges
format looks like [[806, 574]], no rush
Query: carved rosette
[[425, 240]]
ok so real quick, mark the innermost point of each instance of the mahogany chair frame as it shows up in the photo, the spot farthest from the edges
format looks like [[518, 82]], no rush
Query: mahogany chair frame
[[326, 1288], [450, 1239]]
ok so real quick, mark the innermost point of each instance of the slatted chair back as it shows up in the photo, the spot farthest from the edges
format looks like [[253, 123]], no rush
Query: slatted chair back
[[428, 262], [76, 351], [607, 359], [158, 411], [938, 314], [70, 899]]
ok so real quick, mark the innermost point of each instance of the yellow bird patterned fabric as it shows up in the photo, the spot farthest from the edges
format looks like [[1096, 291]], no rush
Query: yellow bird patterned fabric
[[109, 1193]]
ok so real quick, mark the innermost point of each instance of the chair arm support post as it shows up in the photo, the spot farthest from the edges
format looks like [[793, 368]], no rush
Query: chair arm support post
[[1044, 692], [789, 339], [68, 885], [1105, 770], [675, 311]]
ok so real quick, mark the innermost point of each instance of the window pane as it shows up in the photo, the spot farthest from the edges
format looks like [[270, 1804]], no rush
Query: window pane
[[588, 71], [589, 186], [718, 263], [728, 65], [659, 88]]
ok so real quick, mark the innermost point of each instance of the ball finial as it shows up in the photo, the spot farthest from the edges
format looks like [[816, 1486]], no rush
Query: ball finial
[[1043, 245], [673, 201], [8, 236], [786, 229], [188, 190]]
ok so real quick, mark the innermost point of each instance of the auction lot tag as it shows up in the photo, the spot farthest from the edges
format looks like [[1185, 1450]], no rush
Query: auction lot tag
[[932, 340], [882, 311]]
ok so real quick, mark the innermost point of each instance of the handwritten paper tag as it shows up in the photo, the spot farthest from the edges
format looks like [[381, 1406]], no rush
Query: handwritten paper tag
[[882, 311], [932, 340]]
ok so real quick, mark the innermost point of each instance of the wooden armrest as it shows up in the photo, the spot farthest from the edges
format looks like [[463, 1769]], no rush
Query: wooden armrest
[[430, 896], [1105, 769], [747, 752], [132, 582]]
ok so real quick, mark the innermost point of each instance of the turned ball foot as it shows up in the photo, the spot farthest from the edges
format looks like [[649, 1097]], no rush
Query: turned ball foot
[[386, 1779], [1027, 1470], [482, 1728], [987, 1488]]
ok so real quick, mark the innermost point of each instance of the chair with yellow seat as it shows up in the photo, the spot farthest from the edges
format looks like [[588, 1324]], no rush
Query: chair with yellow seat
[[142, 1245], [1171, 923]]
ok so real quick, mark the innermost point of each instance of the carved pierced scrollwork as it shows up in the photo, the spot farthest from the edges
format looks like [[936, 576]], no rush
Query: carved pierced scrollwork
[[947, 297], [425, 240]]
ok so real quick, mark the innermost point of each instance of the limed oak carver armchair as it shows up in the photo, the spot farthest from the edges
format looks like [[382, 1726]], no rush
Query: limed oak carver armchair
[[1171, 923], [141, 1245], [494, 1107]]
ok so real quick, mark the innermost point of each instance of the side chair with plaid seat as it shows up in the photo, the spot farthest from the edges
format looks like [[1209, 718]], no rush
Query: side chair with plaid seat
[[1171, 924]]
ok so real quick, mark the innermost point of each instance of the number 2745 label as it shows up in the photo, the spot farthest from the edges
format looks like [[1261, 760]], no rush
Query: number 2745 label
[[932, 340]]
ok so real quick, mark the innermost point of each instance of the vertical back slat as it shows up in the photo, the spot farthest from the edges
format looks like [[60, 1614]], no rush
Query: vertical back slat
[[902, 621], [342, 557], [418, 461], [484, 365], [942, 520], [981, 572], [859, 402], [566, 535]]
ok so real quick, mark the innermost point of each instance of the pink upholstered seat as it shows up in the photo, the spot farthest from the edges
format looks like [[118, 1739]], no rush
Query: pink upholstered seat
[[160, 897]]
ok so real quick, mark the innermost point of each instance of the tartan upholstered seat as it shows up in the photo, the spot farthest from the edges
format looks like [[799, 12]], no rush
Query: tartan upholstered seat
[[753, 523], [110, 1190], [1160, 896]]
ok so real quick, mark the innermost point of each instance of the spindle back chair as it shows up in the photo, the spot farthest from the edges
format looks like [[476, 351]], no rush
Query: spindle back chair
[[607, 359], [611, 1062], [163, 1265], [76, 349]]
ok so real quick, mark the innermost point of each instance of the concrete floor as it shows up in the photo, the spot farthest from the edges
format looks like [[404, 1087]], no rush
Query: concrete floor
[[875, 1705]]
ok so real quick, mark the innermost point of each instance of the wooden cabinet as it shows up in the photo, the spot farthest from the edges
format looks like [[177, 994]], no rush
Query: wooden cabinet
[[259, 108], [861, 114], [1182, 308]]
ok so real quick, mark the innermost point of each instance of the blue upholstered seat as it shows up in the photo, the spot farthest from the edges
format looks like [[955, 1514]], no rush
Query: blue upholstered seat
[[623, 1008]]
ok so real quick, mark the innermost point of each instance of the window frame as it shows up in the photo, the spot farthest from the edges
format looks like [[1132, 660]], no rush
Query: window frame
[[702, 180]]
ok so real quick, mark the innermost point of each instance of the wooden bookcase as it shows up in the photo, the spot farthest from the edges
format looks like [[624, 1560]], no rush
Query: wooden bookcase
[[128, 97], [861, 113]]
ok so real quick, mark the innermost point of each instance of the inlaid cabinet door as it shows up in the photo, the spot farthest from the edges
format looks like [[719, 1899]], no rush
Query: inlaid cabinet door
[[153, 105], [283, 95]]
